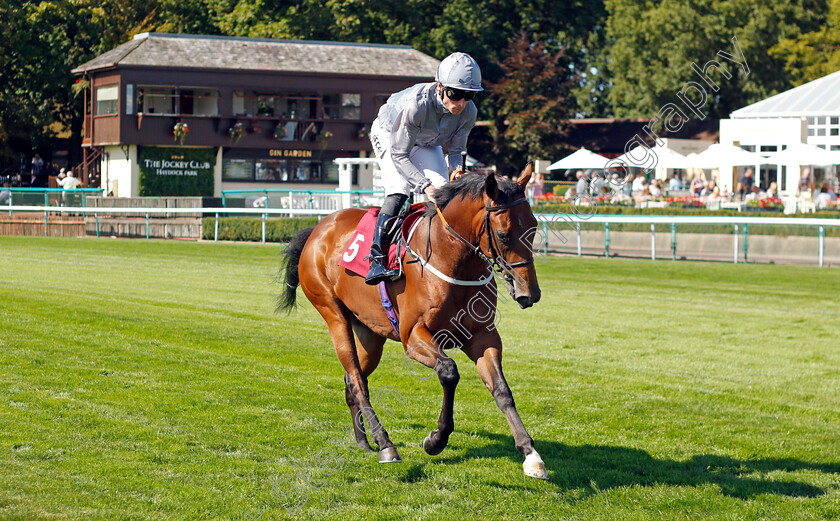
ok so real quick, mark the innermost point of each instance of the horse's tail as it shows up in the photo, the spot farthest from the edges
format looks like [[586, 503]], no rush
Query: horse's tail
[[289, 270]]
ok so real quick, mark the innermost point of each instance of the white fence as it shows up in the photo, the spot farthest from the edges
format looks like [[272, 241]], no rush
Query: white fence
[[550, 223]]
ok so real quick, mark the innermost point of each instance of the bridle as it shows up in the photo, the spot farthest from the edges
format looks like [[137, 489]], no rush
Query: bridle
[[496, 261]]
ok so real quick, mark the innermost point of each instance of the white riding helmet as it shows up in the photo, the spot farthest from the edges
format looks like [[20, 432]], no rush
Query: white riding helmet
[[459, 71]]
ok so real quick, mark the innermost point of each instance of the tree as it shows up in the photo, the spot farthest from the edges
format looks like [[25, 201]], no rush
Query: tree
[[655, 45], [533, 100], [815, 54]]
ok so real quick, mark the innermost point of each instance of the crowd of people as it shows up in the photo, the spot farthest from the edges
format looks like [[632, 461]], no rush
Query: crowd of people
[[696, 190]]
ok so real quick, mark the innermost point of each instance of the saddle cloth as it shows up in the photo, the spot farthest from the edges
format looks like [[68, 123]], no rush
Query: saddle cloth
[[354, 256]]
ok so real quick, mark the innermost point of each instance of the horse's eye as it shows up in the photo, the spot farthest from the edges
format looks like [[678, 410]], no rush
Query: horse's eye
[[504, 237]]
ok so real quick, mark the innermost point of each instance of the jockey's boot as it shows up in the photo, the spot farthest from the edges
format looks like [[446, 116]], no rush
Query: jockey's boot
[[379, 270]]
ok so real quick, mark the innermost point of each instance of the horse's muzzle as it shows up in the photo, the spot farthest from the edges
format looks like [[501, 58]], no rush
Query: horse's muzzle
[[526, 301]]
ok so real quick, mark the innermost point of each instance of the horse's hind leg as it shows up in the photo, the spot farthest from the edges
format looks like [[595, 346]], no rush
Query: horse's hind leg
[[338, 321], [369, 352]]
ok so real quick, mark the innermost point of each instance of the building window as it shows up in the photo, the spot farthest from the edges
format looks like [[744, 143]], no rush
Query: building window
[[200, 101], [272, 170], [203, 102], [824, 126], [251, 103], [107, 99], [342, 106]]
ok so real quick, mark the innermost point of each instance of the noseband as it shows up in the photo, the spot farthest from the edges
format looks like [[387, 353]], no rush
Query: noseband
[[496, 261]]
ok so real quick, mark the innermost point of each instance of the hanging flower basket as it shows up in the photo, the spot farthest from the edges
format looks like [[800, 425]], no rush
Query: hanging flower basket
[[236, 132], [364, 133], [280, 132], [323, 139], [180, 130]]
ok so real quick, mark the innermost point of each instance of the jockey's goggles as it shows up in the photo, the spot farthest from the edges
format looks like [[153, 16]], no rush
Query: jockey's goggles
[[458, 94]]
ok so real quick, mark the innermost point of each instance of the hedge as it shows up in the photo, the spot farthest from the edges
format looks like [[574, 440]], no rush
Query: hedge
[[278, 229]]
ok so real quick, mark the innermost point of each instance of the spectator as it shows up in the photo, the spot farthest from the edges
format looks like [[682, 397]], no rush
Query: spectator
[[772, 190], [709, 189], [755, 193], [571, 193], [825, 197], [656, 188], [714, 197], [697, 185], [5, 194], [535, 187], [806, 184], [745, 184], [639, 183], [675, 183], [596, 187], [68, 183], [581, 182], [644, 196]]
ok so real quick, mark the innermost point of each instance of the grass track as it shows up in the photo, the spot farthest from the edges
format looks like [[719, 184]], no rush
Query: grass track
[[151, 380]]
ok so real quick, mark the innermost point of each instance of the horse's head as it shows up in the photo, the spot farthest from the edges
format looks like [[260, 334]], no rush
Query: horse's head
[[496, 219], [509, 227]]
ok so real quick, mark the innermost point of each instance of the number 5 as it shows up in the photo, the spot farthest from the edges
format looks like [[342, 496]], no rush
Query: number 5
[[353, 249]]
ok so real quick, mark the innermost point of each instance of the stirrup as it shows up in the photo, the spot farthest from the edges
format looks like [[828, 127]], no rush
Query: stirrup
[[378, 272]]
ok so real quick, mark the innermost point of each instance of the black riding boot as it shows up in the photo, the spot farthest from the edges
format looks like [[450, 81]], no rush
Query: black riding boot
[[379, 253]]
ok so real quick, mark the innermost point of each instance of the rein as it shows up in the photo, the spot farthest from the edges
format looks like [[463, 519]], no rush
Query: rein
[[497, 262]]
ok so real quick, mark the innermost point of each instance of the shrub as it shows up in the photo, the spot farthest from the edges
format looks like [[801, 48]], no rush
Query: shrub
[[278, 229]]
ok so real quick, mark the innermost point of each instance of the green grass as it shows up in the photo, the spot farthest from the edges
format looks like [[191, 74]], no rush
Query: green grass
[[152, 380]]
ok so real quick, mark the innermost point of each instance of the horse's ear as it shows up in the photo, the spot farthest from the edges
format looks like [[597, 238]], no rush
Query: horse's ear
[[525, 176], [491, 187]]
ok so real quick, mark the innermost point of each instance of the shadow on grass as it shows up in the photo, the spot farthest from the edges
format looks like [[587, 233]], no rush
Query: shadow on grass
[[601, 467]]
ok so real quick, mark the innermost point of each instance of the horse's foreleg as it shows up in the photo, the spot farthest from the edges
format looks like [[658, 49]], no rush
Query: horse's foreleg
[[488, 362], [421, 348]]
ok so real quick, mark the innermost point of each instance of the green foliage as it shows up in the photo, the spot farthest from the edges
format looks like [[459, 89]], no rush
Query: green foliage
[[815, 54], [656, 43], [278, 229], [532, 101]]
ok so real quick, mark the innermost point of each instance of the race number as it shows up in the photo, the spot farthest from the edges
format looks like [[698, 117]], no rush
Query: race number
[[353, 250]]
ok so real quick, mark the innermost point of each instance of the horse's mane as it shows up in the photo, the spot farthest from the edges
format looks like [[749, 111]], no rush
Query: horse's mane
[[471, 186]]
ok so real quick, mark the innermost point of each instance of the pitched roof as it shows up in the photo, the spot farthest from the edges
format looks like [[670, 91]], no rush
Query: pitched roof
[[820, 97], [263, 54]]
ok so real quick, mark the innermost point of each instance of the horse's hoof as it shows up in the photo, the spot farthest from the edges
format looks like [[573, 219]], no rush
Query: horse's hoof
[[389, 455], [534, 466], [430, 448]]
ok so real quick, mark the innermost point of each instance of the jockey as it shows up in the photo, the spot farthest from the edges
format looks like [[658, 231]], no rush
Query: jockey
[[410, 136]]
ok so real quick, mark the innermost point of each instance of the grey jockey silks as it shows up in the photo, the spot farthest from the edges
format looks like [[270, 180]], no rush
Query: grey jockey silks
[[417, 116]]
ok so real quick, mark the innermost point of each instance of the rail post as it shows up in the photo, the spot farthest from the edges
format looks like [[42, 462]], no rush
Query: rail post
[[607, 240], [147, 225], [216, 229], [736, 243], [580, 249], [674, 241], [745, 242], [652, 242], [822, 245], [264, 216]]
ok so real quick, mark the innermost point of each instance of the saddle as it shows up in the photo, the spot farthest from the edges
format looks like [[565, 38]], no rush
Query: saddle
[[355, 257]]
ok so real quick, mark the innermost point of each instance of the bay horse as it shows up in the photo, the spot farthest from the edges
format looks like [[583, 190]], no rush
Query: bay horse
[[477, 221]]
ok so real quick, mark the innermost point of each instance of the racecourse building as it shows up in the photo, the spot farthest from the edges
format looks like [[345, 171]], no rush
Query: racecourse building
[[199, 114]]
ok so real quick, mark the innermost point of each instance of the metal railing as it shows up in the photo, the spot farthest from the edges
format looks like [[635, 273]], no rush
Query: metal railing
[[32, 196], [294, 199], [558, 223], [573, 222]]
